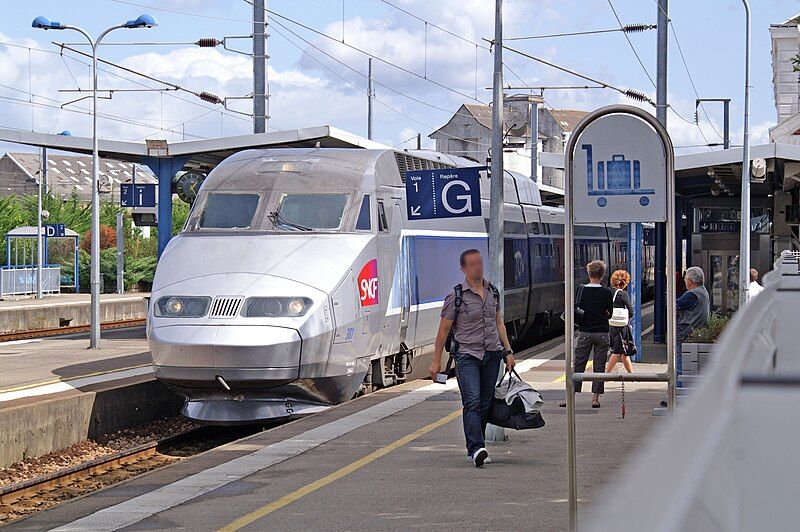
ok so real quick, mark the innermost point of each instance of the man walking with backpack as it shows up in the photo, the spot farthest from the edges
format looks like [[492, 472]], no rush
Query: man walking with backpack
[[473, 321]]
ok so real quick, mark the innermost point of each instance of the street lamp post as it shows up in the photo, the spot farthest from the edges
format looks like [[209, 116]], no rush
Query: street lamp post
[[44, 23], [744, 244]]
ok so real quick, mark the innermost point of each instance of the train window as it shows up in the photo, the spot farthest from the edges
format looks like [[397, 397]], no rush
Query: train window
[[383, 225], [229, 211], [537, 250], [310, 211], [364, 223]]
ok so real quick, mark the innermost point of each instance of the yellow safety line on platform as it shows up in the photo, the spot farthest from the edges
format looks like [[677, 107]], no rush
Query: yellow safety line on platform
[[56, 381], [346, 470], [563, 376]]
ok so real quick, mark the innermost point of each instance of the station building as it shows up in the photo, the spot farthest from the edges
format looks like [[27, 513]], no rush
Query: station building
[[67, 175]]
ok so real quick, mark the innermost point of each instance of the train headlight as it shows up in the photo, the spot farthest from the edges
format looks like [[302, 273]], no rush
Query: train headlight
[[296, 306], [182, 307], [276, 307], [174, 306]]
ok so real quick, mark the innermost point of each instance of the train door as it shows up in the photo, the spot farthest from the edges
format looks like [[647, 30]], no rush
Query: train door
[[407, 325], [397, 327]]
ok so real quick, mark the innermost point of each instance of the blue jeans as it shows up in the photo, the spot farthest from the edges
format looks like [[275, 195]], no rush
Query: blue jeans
[[476, 380]]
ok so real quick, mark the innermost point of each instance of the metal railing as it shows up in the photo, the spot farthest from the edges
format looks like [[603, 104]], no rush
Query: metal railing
[[21, 280], [727, 460]]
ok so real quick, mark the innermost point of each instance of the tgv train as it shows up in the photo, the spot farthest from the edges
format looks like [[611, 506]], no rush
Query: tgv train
[[298, 278]]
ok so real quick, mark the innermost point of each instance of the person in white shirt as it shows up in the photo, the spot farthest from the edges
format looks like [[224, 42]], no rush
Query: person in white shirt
[[755, 288]]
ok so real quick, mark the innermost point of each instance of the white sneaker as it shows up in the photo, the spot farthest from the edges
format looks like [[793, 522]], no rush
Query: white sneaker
[[488, 459], [480, 457]]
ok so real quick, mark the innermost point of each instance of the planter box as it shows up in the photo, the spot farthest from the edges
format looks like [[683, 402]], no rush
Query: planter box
[[697, 357]]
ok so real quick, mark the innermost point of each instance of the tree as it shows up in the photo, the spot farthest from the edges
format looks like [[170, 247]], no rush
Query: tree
[[108, 238]]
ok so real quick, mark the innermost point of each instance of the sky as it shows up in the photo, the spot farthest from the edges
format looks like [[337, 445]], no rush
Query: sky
[[422, 74]]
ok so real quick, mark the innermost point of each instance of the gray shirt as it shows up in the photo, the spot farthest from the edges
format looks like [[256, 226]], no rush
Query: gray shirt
[[476, 324]]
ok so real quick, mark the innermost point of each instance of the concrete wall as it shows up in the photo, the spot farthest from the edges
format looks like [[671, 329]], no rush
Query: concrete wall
[[50, 315], [44, 426]]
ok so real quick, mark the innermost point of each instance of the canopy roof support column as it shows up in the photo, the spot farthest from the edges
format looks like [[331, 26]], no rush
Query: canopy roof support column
[[164, 168]]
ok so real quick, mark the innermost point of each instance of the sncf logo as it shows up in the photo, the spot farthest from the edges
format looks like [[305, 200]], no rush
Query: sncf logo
[[368, 283]]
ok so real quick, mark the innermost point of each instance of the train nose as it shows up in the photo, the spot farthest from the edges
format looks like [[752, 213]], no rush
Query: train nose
[[193, 356]]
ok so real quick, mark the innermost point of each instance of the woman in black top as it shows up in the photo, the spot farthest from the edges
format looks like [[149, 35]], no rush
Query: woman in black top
[[620, 337], [592, 338]]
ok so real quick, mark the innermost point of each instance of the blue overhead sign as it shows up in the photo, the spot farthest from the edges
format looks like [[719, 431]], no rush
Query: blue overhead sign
[[55, 230], [443, 193], [136, 195]]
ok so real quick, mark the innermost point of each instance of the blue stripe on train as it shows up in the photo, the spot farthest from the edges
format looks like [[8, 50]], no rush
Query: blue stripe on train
[[434, 267]]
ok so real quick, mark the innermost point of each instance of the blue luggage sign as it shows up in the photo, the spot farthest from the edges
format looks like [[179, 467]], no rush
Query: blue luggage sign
[[619, 172], [55, 230], [443, 193], [615, 177], [136, 195]]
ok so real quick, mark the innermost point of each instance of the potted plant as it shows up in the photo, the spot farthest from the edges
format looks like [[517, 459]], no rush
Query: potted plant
[[696, 352]]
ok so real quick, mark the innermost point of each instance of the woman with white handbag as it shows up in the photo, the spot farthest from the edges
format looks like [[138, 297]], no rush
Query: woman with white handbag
[[620, 336]]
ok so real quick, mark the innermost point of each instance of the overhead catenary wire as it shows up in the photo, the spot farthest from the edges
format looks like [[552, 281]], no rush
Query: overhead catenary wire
[[111, 73], [87, 112], [630, 43], [366, 53], [334, 39], [647, 73], [630, 93], [361, 89], [628, 28], [355, 70], [688, 72]]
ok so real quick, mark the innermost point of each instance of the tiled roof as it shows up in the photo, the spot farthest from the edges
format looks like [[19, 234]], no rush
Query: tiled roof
[[568, 118], [68, 174]]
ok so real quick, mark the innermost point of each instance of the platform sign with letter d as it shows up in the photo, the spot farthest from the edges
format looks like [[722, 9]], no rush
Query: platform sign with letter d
[[443, 193]]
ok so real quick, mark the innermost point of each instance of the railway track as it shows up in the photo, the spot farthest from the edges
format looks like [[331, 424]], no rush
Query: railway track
[[70, 329], [33, 495]]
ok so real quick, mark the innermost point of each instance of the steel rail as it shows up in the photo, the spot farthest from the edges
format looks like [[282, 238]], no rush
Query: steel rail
[[70, 329]]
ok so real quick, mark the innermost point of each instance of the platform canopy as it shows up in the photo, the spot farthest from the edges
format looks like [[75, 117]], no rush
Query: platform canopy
[[30, 231], [202, 154], [696, 172]]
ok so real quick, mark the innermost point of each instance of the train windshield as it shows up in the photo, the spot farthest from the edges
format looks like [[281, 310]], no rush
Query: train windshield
[[308, 212], [229, 211]]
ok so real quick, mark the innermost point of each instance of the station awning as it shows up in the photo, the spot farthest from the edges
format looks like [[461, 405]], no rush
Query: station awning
[[695, 173], [203, 154]]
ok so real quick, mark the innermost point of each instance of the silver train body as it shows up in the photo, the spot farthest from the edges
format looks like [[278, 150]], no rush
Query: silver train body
[[256, 315]]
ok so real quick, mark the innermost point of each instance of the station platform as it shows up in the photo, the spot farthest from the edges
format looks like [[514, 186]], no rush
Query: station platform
[[68, 310], [54, 392], [389, 460]]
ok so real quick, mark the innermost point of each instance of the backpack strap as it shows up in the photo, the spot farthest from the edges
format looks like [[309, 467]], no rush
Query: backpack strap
[[613, 299], [495, 293], [459, 299]]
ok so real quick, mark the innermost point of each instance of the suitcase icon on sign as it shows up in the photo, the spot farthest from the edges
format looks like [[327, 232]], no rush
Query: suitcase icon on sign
[[617, 177]]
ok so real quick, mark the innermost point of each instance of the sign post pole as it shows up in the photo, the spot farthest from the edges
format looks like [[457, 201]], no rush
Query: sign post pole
[[496, 199], [635, 183], [120, 254]]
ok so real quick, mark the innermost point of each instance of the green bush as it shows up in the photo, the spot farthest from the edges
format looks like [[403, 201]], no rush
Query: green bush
[[140, 252], [711, 331]]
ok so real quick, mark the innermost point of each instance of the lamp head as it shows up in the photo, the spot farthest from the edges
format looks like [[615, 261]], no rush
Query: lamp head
[[66, 133], [44, 23], [144, 21]]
